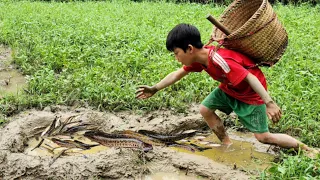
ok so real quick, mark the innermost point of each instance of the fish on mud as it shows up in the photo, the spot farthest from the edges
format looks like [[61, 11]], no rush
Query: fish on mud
[[50, 128], [80, 127], [167, 138], [143, 138], [183, 146], [190, 147], [73, 144], [199, 147], [47, 132], [62, 125], [57, 156], [54, 128], [116, 140]]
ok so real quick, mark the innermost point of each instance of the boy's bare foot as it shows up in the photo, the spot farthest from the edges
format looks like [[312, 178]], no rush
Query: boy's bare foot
[[228, 147], [312, 153], [226, 141]]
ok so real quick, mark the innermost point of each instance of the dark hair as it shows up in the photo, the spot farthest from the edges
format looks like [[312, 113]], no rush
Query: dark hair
[[182, 35]]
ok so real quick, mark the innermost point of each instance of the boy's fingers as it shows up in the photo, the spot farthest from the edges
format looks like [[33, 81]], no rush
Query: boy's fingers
[[139, 95], [269, 116], [139, 90]]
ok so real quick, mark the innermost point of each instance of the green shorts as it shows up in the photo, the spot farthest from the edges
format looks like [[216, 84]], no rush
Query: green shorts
[[253, 117]]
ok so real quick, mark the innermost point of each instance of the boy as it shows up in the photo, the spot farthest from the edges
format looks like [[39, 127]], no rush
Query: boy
[[243, 87]]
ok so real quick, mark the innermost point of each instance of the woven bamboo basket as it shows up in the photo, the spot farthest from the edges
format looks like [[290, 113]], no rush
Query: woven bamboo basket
[[254, 30]]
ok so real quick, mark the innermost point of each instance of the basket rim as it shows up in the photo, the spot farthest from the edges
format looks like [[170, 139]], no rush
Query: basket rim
[[250, 21]]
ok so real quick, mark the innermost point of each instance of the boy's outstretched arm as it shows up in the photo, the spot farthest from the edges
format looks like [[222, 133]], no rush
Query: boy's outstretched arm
[[273, 111], [146, 91]]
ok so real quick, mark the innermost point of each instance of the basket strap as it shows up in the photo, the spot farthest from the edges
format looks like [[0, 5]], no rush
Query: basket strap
[[217, 47], [213, 39]]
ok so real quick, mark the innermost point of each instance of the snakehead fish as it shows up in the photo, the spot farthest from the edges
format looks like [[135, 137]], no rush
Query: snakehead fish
[[167, 138], [72, 144], [116, 140], [143, 138]]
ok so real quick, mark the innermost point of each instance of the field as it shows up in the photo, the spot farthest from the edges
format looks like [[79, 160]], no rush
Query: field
[[97, 53]]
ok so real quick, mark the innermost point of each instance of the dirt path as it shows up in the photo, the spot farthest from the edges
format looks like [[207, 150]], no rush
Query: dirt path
[[113, 163]]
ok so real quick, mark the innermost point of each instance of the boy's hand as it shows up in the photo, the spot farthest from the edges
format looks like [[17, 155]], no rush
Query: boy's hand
[[145, 92], [273, 111]]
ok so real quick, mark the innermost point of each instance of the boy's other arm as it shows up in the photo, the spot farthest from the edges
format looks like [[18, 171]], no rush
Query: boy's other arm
[[146, 91], [273, 111]]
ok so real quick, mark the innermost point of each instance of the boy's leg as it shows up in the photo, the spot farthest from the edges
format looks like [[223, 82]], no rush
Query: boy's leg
[[215, 124], [216, 100], [282, 140], [285, 141], [254, 117]]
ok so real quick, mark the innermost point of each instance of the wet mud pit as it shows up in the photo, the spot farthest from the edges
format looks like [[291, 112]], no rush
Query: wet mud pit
[[239, 161]]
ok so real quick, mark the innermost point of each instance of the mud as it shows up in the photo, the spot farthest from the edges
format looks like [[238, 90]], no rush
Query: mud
[[110, 163]]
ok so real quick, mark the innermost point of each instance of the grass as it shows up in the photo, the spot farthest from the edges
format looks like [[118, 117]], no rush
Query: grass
[[293, 167], [97, 53]]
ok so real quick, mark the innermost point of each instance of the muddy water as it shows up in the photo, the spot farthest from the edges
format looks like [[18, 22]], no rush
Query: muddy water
[[11, 81], [241, 154]]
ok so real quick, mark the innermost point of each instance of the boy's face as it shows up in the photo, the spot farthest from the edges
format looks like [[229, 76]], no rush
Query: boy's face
[[183, 57]]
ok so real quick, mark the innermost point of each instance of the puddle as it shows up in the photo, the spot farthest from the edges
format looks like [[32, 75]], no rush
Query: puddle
[[11, 81], [241, 154]]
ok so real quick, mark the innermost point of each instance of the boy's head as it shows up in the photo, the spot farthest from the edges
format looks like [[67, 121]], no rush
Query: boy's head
[[183, 35]]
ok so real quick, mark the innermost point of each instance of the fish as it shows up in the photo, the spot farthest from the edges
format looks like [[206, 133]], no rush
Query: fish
[[191, 147], [50, 128], [57, 156], [80, 127], [117, 140], [58, 122], [64, 124], [72, 144], [38, 145], [167, 138], [183, 146], [143, 138], [199, 147]]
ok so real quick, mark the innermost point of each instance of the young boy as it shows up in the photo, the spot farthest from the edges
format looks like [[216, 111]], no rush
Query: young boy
[[243, 87]]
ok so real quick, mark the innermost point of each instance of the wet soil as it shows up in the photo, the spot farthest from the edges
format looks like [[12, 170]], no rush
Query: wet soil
[[117, 163]]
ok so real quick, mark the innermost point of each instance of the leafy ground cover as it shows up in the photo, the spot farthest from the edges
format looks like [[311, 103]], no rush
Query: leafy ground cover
[[97, 53]]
